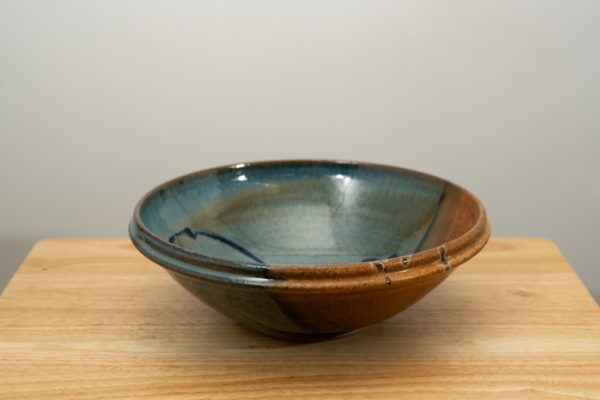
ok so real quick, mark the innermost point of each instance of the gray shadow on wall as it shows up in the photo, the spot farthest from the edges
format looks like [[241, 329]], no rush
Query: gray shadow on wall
[[596, 296], [13, 251]]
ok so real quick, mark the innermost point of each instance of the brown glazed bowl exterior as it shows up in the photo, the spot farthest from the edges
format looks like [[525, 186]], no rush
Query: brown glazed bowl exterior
[[306, 301]]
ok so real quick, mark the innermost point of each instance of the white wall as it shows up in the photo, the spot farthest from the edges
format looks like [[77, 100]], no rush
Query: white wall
[[100, 101]]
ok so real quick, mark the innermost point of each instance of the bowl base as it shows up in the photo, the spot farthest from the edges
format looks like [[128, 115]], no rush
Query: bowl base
[[304, 337]]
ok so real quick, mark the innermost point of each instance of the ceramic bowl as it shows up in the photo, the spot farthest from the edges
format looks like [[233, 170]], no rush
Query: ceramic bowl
[[308, 250]]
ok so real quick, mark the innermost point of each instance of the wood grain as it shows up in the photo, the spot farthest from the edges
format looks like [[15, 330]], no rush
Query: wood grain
[[92, 319]]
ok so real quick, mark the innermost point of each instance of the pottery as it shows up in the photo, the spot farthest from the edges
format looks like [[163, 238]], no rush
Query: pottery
[[308, 250]]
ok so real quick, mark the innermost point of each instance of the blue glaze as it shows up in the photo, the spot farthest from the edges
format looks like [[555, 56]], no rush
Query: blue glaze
[[194, 234], [187, 231], [296, 213]]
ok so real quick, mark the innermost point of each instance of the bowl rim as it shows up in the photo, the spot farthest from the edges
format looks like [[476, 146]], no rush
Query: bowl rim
[[361, 274]]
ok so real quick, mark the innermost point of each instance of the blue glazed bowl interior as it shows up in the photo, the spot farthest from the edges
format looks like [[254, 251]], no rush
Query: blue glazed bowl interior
[[296, 213]]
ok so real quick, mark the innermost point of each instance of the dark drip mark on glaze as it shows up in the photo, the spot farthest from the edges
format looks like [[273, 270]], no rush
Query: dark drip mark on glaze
[[432, 222], [443, 259], [380, 266], [193, 234], [388, 280], [404, 261]]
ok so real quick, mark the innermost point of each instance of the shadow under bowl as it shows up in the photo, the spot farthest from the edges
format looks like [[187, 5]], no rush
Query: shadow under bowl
[[307, 250]]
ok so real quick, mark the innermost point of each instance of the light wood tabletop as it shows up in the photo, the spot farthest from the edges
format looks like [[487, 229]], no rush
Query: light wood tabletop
[[93, 319]]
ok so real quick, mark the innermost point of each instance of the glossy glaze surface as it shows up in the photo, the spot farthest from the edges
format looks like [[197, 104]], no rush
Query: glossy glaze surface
[[288, 214], [308, 249]]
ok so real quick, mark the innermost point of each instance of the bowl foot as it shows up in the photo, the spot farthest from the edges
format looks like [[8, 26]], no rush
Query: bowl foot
[[304, 337]]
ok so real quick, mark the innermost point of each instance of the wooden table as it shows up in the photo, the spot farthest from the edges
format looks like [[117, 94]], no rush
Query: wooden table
[[93, 319]]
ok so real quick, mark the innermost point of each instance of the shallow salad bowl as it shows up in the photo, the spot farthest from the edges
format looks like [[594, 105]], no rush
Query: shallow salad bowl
[[308, 250]]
